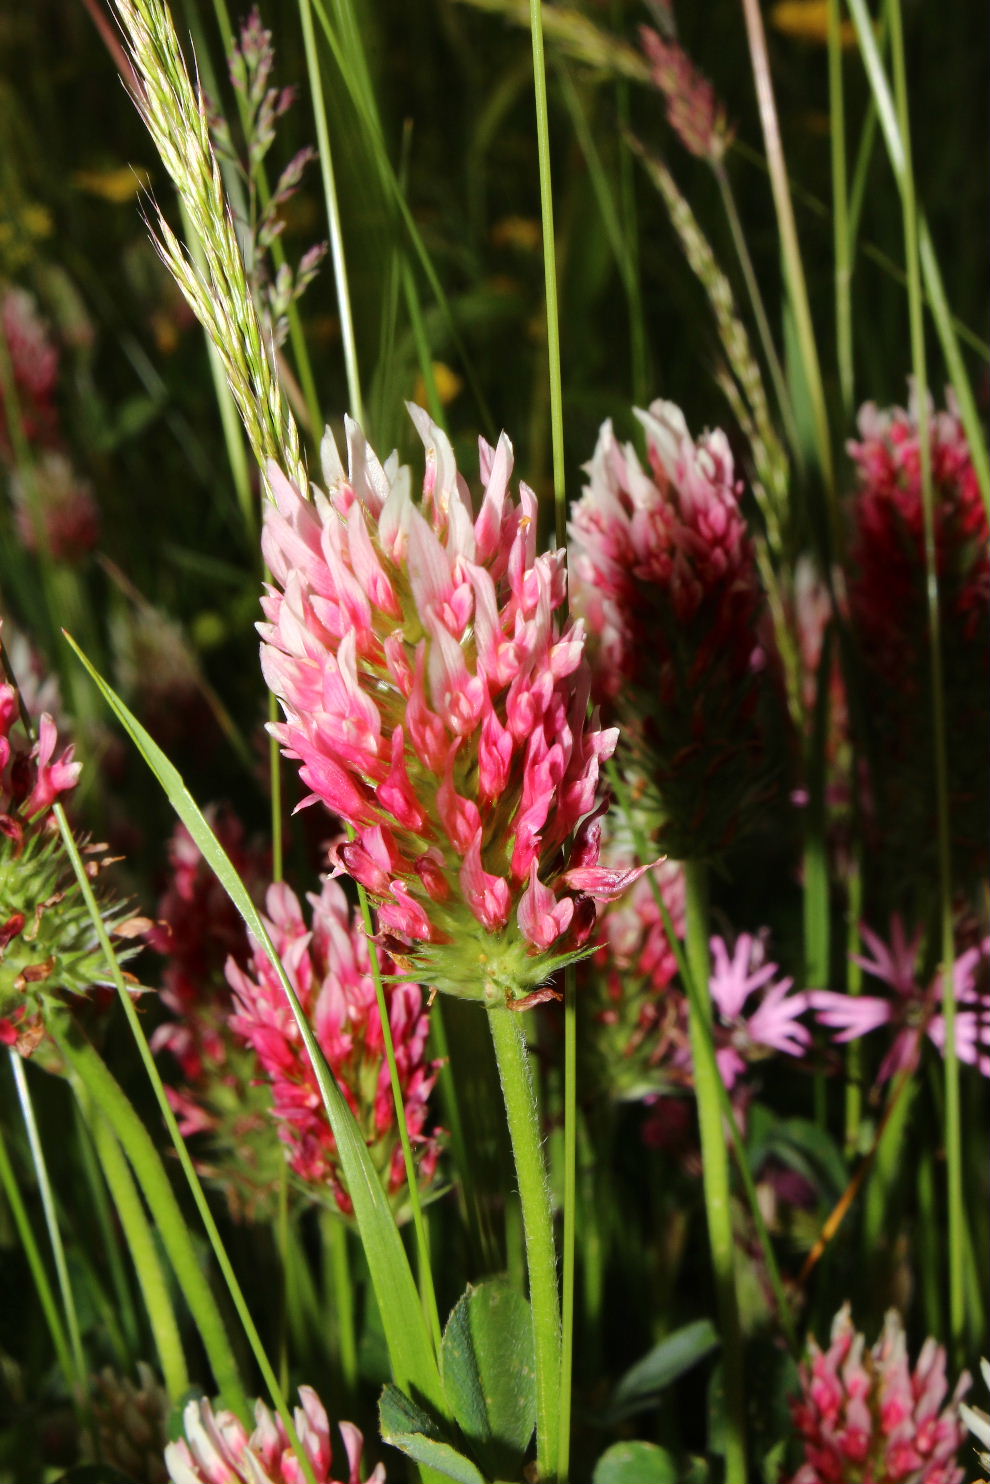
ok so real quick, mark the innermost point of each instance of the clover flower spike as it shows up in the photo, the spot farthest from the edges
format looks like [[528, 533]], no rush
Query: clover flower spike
[[330, 969], [217, 1448], [436, 700], [664, 574], [866, 1418]]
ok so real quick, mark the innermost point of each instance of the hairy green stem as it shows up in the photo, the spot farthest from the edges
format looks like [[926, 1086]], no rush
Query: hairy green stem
[[569, 1233], [523, 1120], [715, 1160]]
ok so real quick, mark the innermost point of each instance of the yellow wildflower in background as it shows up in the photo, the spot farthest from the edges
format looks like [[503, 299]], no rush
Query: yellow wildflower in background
[[807, 20]]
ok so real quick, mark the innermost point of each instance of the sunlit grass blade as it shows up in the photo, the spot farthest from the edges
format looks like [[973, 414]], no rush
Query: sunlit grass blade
[[143, 1251], [47, 1195], [409, 1342]]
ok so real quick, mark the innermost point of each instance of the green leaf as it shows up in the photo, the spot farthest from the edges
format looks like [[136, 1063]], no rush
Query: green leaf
[[489, 1374], [635, 1463], [409, 1343], [802, 1146], [408, 1428], [677, 1353]]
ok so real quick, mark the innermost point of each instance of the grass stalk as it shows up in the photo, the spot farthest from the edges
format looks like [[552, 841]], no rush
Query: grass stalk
[[756, 302], [841, 237], [427, 1289], [715, 1171], [42, 1282], [565, 1335], [354, 75], [549, 270], [97, 1087], [898, 152], [336, 1239], [47, 1195], [854, 986], [615, 219], [151, 1175], [953, 1127], [687, 976], [297, 338], [230, 424], [333, 214], [144, 1255], [111, 1241], [526, 1134], [797, 287]]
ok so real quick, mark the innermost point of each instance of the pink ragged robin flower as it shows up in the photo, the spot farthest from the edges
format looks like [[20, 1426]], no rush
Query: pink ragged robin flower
[[330, 969], [889, 618], [664, 574], [217, 1448], [693, 110], [436, 700], [865, 1417], [911, 1007], [747, 1033]]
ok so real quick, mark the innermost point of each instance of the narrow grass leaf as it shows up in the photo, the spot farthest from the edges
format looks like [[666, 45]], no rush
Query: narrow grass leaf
[[410, 1348]]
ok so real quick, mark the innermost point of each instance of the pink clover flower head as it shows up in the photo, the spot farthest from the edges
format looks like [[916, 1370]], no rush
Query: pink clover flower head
[[910, 1008], [664, 576], [217, 1448], [436, 699], [34, 361], [214, 1087], [63, 503], [888, 612], [641, 1034], [865, 1417], [329, 965], [48, 945], [770, 1024], [198, 929], [694, 112]]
